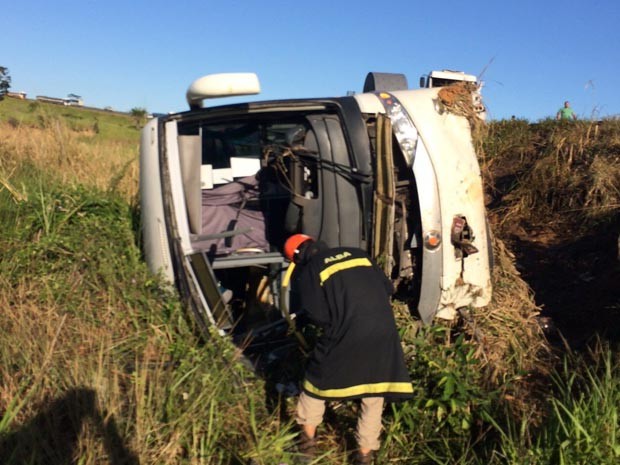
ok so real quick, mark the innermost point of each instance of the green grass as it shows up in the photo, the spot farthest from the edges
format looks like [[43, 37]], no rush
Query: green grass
[[99, 149], [581, 425], [85, 320], [106, 125], [99, 362]]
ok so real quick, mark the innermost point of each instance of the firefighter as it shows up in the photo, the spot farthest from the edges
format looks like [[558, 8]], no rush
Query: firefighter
[[358, 353]]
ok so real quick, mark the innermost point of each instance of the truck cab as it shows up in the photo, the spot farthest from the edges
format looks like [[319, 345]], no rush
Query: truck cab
[[386, 170], [447, 77]]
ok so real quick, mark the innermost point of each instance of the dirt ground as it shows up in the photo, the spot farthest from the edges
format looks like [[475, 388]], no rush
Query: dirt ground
[[575, 277], [575, 281]]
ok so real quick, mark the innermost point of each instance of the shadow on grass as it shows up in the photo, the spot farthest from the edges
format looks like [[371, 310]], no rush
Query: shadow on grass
[[576, 282], [52, 436]]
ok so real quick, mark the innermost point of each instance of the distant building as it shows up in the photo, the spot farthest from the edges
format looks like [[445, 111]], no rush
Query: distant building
[[73, 99], [55, 100], [61, 101], [19, 95], [74, 102]]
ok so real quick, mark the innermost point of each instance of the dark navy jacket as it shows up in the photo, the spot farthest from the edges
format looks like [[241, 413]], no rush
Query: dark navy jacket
[[359, 353]]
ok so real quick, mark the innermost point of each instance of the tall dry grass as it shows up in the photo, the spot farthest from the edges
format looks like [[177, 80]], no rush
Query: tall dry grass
[[72, 157], [560, 172], [559, 180], [98, 363]]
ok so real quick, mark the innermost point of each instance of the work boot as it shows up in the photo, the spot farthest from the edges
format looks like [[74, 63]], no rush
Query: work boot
[[363, 459], [306, 446]]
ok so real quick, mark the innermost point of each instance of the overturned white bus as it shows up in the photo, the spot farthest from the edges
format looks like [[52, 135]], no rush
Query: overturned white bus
[[387, 170]]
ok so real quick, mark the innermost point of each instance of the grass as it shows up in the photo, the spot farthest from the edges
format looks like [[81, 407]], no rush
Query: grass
[[98, 361], [92, 340], [107, 126], [563, 173], [582, 422], [107, 160]]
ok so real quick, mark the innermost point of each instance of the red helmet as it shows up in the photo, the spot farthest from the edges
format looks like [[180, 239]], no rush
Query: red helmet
[[291, 246]]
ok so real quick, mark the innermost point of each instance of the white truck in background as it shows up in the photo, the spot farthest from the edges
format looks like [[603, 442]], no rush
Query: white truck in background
[[447, 77]]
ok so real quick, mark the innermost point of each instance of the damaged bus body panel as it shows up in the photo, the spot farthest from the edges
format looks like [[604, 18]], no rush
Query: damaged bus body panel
[[387, 171], [465, 277]]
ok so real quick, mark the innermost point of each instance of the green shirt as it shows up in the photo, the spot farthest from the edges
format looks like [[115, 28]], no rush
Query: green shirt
[[566, 113]]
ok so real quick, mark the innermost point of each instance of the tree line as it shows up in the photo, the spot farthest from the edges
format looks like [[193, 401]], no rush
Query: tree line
[[5, 81]]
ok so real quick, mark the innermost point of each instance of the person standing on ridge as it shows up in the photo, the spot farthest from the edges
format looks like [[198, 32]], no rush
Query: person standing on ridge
[[566, 113], [358, 354]]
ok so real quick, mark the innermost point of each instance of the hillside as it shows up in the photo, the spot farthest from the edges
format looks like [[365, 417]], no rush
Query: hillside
[[100, 364], [73, 145], [107, 125], [554, 196]]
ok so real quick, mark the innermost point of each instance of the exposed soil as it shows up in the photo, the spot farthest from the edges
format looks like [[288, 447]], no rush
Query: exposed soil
[[575, 277], [575, 280]]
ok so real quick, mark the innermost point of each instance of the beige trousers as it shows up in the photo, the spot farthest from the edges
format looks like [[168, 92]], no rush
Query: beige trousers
[[310, 412]]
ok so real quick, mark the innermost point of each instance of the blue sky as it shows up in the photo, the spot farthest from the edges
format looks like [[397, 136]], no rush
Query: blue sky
[[532, 55]]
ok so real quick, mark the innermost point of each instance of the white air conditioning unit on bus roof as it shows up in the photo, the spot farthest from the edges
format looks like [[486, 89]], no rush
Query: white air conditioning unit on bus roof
[[221, 85]]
